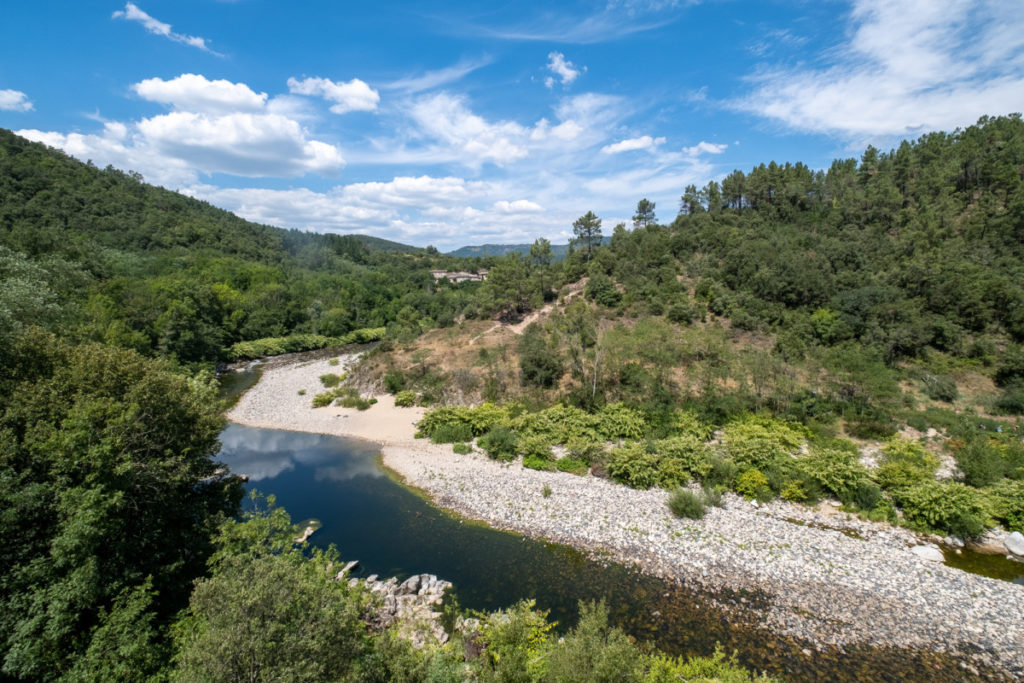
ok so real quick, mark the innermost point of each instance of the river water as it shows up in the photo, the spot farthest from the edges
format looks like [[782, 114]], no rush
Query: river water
[[392, 531]]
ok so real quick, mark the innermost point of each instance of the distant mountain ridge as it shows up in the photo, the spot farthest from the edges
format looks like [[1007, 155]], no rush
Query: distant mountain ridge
[[560, 251]]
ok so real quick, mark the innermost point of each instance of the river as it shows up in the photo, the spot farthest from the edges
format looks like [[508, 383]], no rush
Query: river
[[392, 531]]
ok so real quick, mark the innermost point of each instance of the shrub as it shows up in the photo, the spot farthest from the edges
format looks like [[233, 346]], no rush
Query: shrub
[[585, 450], [838, 472], [323, 399], [940, 388], [1011, 367], [499, 443], [945, 507], [330, 380], [905, 463], [686, 423], [981, 461], [536, 462], [691, 454], [722, 473], [405, 399], [897, 475], [633, 466], [334, 362], [680, 313], [451, 433], [462, 448], [1006, 503], [866, 496], [620, 422], [753, 484], [394, 381], [686, 503], [572, 466], [302, 392], [756, 441], [535, 445], [546, 491]]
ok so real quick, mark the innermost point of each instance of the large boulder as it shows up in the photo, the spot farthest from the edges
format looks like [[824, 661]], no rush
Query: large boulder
[[1015, 543], [928, 552]]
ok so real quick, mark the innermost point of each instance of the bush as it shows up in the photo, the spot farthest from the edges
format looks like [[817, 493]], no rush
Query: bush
[[633, 466], [536, 462], [681, 313], [687, 423], [451, 433], [275, 346], [838, 472], [1011, 367], [981, 461], [499, 443], [690, 454], [572, 466], [405, 399], [323, 399], [686, 503], [945, 507], [756, 441], [585, 450], [330, 380], [722, 473], [536, 446], [394, 381], [940, 388], [616, 421], [1006, 503], [753, 484], [462, 448]]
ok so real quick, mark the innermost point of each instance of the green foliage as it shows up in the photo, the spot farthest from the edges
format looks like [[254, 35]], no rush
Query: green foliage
[[499, 443], [722, 473], [940, 388], [546, 491], [537, 462], [462, 448], [270, 612], [1006, 503], [331, 380], [572, 466], [451, 433], [905, 463], [476, 420], [394, 381], [585, 450], [536, 446], [686, 453], [108, 497], [753, 484], [985, 461], [944, 507], [540, 361], [756, 441], [718, 668], [633, 466], [517, 640], [686, 503], [837, 471], [617, 421], [405, 399], [687, 423], [593, 651], [275, 346], [1011, 367]]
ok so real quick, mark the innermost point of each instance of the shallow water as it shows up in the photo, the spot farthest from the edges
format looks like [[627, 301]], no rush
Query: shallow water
[[392, 531]]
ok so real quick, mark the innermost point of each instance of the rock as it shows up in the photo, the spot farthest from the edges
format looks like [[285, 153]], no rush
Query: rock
[[344, 572], [928, 552], [1015, 543], [305, 535]]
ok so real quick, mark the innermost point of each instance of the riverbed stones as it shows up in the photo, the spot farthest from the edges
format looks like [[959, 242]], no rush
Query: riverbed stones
[[1015, 543], [411, 606]]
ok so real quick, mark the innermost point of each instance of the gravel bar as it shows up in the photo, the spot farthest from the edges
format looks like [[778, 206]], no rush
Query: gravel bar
[[830, 579]]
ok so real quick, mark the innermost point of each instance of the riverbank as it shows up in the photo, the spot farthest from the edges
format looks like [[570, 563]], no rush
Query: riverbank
[[829, 580]]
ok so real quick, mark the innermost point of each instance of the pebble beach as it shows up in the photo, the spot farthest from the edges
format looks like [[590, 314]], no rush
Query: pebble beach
[[829, 579]]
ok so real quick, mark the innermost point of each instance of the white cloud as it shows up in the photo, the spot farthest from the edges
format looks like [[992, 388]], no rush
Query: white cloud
[[703, 147], [14, 100], [448, 118], [131, 12], [355, 95], [193, 92], [518, 206], [439, 77], [631, 144], [564, 69], [908, 66]]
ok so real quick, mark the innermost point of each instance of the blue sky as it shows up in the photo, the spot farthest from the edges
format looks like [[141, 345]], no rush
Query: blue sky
[[453, 123]]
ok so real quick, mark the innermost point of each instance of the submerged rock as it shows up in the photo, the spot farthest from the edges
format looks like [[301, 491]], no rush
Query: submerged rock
[[928, 552]]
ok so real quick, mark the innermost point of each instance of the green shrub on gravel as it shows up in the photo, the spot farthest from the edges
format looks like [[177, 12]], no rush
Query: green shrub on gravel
[[405, 399], [462, 448], [753, 484], [331, 380], [618, 421], [837, 471], [1006, 503], [451, 433], [499, 443], [585, 450], [686, 503], [946, 507], [722, 472], [633, 466], [685, 423], [572, 466], [691, 454], [536, 462], [756, 441]]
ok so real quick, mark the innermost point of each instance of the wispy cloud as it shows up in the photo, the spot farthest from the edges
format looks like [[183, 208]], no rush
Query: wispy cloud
[[908, 66], [14, 100], [435, 79], [704, 148], [616, 20], [131, 12], [566, 71]]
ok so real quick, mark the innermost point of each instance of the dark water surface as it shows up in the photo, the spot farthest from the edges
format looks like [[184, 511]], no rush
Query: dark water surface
[[393, 532]]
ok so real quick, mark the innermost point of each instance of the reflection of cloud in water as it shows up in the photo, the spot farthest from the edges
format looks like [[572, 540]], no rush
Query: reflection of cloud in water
[[349, 469], [266, 453]]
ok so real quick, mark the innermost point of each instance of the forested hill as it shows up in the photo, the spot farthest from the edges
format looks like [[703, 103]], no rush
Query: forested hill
[[99, 254]]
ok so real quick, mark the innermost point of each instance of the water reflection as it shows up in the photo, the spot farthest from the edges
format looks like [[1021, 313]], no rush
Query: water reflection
[[262, 454]]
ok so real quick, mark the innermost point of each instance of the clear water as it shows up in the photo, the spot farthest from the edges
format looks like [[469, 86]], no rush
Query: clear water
[[392, 531]]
